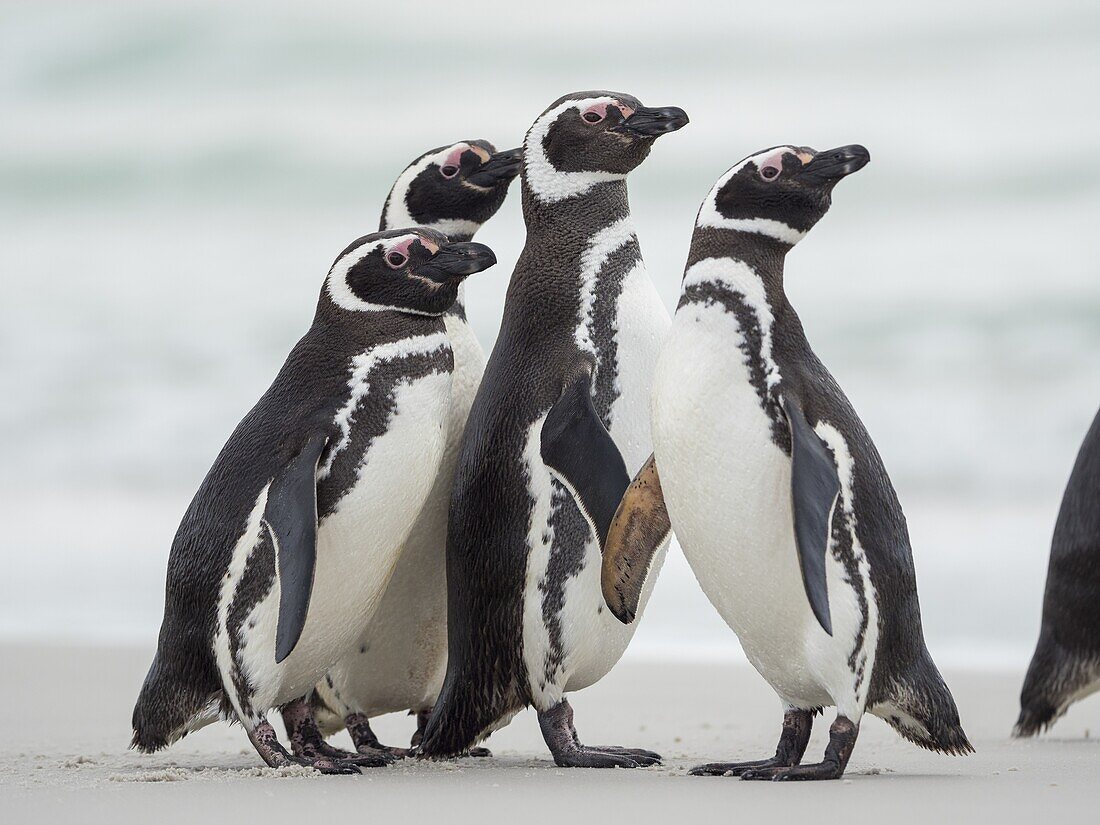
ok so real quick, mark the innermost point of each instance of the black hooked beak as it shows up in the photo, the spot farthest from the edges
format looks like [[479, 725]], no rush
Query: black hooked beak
[[652, 123], [456, 261], [499, 168], [834, 164]]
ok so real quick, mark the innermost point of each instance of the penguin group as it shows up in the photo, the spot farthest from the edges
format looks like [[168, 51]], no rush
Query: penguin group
[[402, 524]]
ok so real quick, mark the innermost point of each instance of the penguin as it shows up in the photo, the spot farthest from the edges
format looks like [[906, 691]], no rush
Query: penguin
[[1066, 663], [556, 426], [401, 657], [284, 553], [773, 487]]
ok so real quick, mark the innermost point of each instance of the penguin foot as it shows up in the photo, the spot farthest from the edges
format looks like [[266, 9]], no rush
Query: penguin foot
[[362, 759], [479, 753], [820, 770], [733, 768], [582, 757], [842, 740], [307, 742], [797, 725], [568, 752], [390, 754], [640, 755], [327, 766], [366, 743], [267, 745]]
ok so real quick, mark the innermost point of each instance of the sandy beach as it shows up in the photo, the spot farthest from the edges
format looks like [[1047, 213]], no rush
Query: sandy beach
[[66, 723]]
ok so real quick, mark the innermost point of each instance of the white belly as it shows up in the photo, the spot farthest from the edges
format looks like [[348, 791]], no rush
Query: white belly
[[357, 547], [593, 640], [400, 659], [727, 487]]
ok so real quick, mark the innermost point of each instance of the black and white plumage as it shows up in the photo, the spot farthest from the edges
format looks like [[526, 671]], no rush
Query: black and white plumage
[[1066, 664], [559, 420], [401, 657], [775, 490], [287, 546], [452, 189]]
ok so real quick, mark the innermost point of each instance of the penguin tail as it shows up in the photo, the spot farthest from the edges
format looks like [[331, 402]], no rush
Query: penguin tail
[[168, 708], [461, 718], [1035, 717], [923, 711], [1055, 679]]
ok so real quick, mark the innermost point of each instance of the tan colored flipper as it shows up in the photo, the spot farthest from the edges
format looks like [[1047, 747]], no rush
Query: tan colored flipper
[[641, 525]]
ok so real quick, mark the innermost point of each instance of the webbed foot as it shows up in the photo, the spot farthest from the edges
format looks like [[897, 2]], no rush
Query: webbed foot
[[561, 738]]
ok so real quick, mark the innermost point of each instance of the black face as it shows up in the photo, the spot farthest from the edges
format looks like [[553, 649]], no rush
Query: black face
[[788, 184], [465, 183], [413, 270], [612, 137]]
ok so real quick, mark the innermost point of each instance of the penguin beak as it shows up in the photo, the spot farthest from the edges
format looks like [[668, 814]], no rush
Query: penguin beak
[[457, 261], [834, 164], [652, 123], [499, 168]]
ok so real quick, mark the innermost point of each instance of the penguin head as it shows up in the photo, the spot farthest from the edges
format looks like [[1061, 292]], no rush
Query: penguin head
[[587, 138], [780, 192], [416, 271], [453, 189]]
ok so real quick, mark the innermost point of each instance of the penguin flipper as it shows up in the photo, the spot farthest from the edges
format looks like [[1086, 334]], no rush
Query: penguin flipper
[[815, 486], [291, 517], [578, 449], [641, 526]]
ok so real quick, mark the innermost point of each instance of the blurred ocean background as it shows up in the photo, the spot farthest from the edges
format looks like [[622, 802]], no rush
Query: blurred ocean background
[[176, 178]]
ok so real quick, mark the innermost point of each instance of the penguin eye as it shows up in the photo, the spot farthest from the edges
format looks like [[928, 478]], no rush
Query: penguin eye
[[592, 116], [448, 171], [769, 173], [396, 260]]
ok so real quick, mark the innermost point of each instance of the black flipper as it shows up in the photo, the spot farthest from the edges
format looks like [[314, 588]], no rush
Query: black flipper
[[578, 448], [291, 515], [815, 486]]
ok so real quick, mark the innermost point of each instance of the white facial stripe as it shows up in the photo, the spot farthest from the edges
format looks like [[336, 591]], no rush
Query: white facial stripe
[[709, 216], [455, 227], [547, 183], [397, 210], [757, 160], [337, 283], [761, 226]]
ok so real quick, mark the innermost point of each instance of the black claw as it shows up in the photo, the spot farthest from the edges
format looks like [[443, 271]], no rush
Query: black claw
[[328, 767]]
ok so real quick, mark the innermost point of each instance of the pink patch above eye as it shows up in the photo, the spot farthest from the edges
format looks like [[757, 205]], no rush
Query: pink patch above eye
[[403, 247], [596, 109], [775, 159], [601, 109], [454, 157]]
